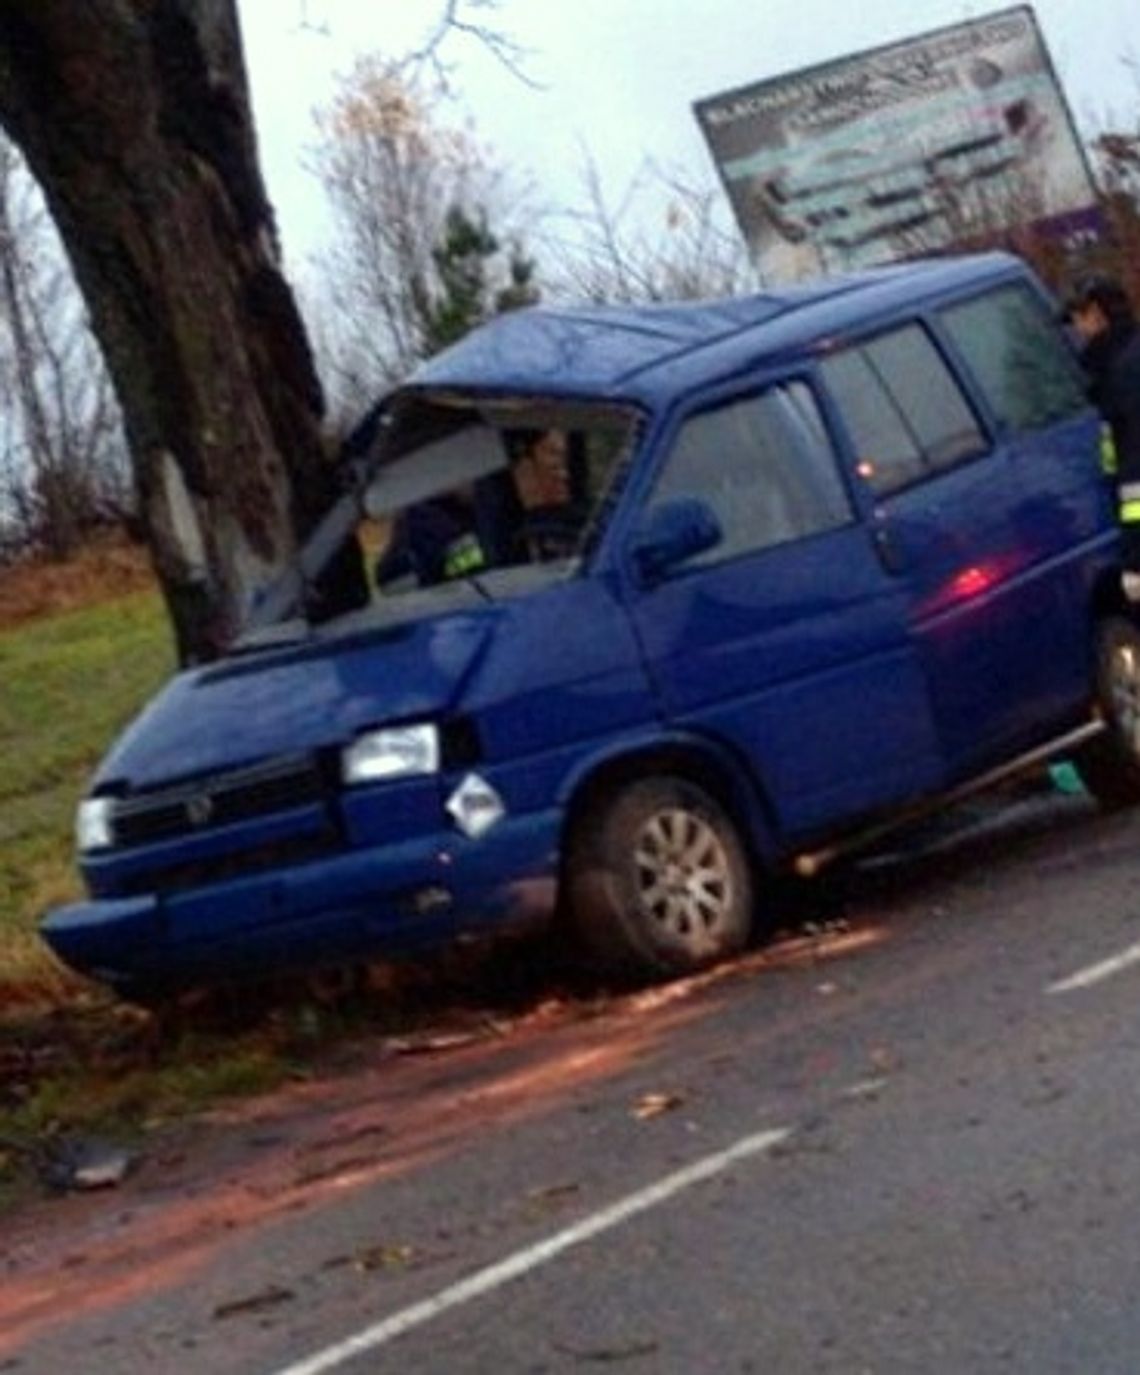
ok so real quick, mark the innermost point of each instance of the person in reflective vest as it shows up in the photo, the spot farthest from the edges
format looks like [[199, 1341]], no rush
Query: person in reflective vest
[[1102, 315], [525, 515]]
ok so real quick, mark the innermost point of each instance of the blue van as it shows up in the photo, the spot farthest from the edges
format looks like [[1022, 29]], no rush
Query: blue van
[[667, 600]]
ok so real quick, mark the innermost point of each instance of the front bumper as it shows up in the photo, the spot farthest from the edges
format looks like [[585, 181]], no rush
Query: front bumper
[[389, 900]]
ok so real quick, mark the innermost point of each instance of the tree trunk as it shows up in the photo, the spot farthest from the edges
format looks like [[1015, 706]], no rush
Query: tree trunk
[[134, 115]]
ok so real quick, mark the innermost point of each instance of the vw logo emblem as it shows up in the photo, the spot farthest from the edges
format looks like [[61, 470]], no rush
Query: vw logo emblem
[[199, 809]]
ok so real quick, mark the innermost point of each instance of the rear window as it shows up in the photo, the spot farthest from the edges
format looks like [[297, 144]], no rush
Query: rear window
[[905, 413], [1015, 351]]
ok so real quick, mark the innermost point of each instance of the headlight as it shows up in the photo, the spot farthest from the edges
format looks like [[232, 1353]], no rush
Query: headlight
[[395, 752], [94, 824]]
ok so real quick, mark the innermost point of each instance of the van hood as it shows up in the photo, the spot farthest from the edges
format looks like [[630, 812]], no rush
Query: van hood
[[320, 691]]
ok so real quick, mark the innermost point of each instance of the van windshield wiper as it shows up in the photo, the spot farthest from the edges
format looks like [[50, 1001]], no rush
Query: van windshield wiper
[[477, 583]]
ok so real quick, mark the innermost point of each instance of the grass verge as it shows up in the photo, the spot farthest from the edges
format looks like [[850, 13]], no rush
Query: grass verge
[[70, 682]]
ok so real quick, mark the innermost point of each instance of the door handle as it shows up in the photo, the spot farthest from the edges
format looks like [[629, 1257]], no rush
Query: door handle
[[886, 546]]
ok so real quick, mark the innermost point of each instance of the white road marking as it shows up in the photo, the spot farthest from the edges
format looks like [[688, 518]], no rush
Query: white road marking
[[1084, 978], [512, 1267]]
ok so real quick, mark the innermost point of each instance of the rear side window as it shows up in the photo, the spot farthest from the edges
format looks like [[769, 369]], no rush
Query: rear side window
[[765, 465], [905, 413], [1018, 357]]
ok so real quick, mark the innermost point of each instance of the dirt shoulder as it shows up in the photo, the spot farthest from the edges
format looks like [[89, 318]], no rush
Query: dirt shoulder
[[108, 568]]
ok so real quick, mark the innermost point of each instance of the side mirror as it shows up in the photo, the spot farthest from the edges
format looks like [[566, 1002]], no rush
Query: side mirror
[[671, 534]]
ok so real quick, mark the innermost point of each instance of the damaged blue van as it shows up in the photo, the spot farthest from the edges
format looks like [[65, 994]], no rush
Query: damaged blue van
[[665, 600]]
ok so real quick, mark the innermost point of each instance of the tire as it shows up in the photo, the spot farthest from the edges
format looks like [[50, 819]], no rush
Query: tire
[[658, 881], [1110, 764]]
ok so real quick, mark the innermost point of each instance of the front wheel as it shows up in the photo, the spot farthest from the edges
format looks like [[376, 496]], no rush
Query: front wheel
[[1110, 764], [658, 880]]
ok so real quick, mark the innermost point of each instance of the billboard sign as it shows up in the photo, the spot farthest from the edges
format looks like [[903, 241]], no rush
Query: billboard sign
[[903, 149]]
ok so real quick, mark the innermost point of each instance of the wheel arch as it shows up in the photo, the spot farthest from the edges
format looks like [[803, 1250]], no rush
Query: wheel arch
[[703, 761]]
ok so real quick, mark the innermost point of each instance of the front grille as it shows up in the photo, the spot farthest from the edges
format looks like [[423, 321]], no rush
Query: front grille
[[202, 804], [180, 878]]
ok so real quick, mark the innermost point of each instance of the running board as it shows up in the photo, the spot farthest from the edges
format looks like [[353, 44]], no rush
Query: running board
[[810, 863]]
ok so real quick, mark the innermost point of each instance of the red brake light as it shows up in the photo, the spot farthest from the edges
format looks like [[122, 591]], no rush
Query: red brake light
[[972, 582]]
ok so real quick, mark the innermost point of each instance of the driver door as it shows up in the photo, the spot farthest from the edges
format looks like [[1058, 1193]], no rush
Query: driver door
[[788, 640]]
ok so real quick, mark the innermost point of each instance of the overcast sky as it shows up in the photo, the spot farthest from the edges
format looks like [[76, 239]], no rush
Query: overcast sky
[[619, 76]]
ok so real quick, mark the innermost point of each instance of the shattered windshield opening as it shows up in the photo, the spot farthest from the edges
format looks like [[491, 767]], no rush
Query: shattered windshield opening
[[469, 488], [490, 497]]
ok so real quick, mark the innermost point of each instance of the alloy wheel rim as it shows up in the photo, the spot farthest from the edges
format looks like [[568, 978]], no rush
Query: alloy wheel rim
[[684, 878]]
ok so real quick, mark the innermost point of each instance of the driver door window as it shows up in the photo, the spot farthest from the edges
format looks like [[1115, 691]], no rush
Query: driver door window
[[765, 466]]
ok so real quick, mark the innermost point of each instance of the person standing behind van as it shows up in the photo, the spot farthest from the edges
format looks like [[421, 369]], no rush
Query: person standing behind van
[[1102, 316]]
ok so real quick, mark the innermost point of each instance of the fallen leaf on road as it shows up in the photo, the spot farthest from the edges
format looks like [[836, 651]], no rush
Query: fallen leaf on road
[[384, 1257], [654, 1104]]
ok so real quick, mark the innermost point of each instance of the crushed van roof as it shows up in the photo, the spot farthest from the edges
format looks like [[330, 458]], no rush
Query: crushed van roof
[[641, 351]]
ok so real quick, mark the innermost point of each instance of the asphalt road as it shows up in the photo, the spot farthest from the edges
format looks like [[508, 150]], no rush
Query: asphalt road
[[907, 1143]]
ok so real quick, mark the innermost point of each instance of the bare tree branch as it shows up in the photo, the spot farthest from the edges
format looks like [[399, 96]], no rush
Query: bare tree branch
[[322, 30], [663, 240], [455, 19], [452, 21]]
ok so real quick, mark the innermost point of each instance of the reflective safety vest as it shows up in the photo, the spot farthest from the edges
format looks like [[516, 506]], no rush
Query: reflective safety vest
[[1129, 495], [1108, 461], [463, 556]]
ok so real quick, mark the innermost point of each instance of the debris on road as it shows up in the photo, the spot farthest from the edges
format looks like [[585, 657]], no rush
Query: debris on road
[[75, 1163], [438, 1039], [383, 1258], [432, 1044], [541, 1203], [865, 1088], [253, 1303], [552, 1193], [380, 1256], [606, 1355]]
